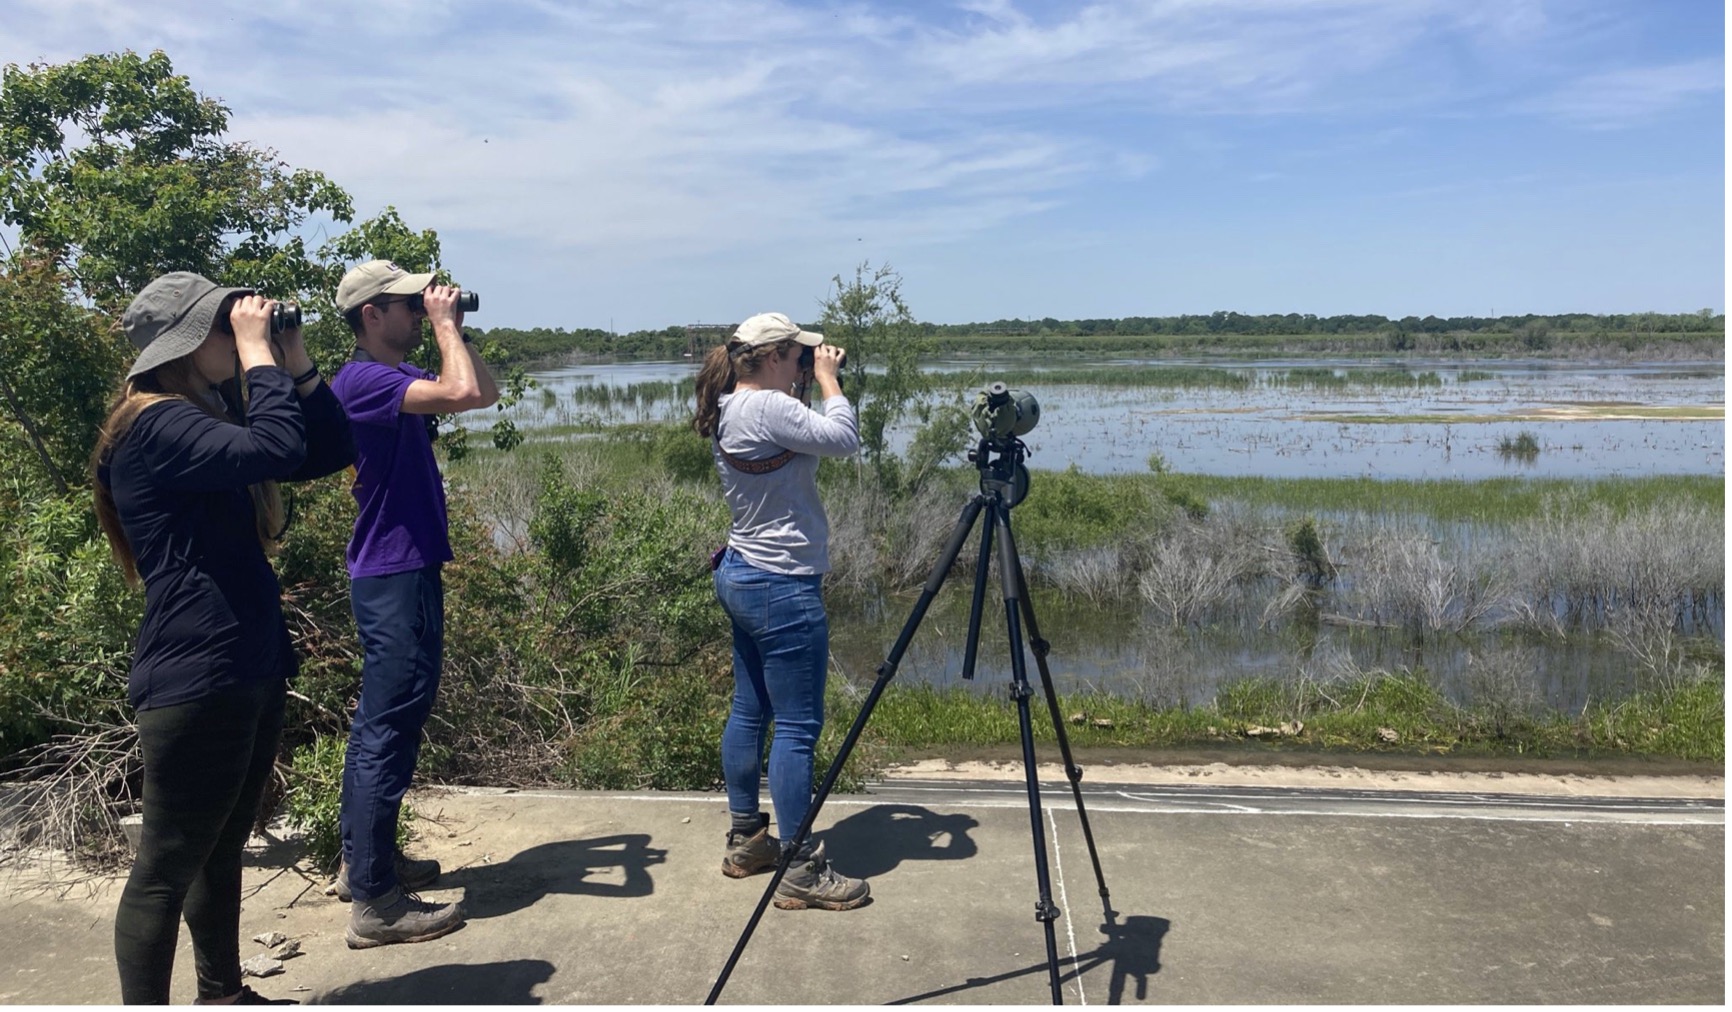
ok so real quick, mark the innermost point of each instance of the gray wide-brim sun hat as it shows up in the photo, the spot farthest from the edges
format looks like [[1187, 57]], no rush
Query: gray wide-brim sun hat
[[171, 317]]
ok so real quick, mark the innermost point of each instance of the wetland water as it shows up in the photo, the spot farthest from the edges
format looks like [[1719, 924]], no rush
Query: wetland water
[[1590, 421], [1306, 418]]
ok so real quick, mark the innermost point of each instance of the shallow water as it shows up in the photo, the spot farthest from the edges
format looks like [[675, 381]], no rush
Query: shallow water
[[1129, 651], [1273, 428], [1266, 427]]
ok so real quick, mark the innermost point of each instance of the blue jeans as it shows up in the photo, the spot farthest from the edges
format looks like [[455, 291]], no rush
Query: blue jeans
[[781, 654], [401, 619]]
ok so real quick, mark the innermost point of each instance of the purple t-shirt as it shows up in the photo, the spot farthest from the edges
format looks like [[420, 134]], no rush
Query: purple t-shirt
[[401, 526]]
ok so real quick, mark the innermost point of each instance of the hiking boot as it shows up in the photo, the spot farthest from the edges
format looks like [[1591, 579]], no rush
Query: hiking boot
[[751, 852], [398, 916], [247, 996], [811, 882], [411, 875]]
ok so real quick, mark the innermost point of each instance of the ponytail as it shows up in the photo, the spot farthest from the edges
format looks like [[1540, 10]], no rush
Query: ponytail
[[722, 367]]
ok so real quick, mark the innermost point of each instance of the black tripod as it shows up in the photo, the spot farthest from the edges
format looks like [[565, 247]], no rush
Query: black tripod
[[1003, 483]]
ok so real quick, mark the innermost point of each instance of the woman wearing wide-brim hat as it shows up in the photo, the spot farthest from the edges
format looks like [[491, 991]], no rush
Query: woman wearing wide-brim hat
[[185, 475]]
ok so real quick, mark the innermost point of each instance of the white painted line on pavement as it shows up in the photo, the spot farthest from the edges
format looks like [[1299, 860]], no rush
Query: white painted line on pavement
[[1064, 905]]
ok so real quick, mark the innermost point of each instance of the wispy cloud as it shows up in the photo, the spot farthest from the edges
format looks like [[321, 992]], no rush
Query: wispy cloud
[[1632, 96], [630, 131]]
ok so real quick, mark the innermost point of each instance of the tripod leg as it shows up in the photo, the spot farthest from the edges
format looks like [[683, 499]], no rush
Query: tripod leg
[[1072, 771], [1044, 910], [971, 646], [886, 671]]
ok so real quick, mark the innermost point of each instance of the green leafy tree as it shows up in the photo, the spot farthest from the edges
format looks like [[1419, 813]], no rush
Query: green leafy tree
[[115, 169], [58, 360], [868, 317]]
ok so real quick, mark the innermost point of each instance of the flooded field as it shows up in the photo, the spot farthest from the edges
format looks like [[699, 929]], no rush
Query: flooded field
[[1278, 419], [1282, 419]]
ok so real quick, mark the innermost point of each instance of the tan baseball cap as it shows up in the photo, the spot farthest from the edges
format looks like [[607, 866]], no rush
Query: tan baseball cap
[[375, 278], [769, 328]]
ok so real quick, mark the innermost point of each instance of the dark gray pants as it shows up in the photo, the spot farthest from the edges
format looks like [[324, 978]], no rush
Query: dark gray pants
[[205, 767]]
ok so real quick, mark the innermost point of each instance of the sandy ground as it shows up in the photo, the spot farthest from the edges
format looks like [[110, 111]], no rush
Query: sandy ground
[[1572, 784]]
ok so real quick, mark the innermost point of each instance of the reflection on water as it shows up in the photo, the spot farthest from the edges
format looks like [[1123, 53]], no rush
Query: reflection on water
[[1285, 419], [1129, 651]]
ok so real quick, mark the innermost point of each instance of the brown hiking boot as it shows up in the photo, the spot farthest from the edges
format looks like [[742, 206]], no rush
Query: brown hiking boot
[[397, 917], [412, 874], [750, 853], [811, 882]]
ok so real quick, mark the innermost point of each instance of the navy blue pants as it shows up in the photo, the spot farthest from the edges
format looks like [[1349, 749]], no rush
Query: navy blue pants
[[401, 619]]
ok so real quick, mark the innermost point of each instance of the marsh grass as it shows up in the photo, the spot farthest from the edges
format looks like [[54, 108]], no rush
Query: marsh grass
[[1193, 377], [1398, 713], [1524, 446]]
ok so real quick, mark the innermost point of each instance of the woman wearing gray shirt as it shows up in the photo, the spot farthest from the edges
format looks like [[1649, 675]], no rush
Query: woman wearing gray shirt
[[768, 579]]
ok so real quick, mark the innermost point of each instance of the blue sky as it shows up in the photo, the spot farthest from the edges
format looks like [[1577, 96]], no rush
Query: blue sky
[[640, 164]]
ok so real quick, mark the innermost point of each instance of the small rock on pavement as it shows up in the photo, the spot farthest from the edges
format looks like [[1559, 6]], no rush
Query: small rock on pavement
[[261, 965], [271, 939], [290, 949]]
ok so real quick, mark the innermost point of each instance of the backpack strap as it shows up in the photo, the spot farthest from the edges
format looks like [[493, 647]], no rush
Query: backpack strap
[[763, 465]]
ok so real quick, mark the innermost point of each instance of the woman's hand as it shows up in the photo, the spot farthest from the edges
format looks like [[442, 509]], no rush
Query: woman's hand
[[293, 347], [250, 317], [827, 360], [826, 364]]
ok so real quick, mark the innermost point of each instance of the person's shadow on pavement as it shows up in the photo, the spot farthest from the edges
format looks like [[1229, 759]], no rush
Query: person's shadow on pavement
[[874, 840], [616, 866], [507, 983], [1132, 949]]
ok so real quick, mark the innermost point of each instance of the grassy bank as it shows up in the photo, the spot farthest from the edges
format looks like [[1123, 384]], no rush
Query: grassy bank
[[1382, 713]]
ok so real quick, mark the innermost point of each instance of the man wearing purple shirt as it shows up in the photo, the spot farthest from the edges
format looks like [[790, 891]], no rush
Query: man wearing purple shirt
[[400, 541]]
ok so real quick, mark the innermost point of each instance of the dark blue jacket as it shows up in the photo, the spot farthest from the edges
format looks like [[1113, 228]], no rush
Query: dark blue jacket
[[213, 615]]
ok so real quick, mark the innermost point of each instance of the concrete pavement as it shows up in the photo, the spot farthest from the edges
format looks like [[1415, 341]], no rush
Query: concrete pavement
[[1226, 887]]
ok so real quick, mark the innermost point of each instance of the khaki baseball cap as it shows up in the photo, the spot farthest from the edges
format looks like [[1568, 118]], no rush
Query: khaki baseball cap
[[375, 278], [769, 328]]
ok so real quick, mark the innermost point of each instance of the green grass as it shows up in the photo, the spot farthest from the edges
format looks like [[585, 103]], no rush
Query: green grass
[[1398, 714], [1493, 500]]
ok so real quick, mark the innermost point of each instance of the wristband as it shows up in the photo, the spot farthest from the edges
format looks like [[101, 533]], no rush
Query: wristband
[[311, 373]]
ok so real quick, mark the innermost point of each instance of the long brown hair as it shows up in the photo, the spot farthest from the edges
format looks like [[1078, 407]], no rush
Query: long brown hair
[[172, 380], [724, 365]]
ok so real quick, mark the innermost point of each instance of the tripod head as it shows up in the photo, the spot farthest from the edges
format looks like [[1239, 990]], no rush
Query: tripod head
[[999, 462]]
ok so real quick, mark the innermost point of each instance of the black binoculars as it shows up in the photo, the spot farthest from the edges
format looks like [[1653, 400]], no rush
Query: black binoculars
[[809, 358], [285, 316], [467, 302]]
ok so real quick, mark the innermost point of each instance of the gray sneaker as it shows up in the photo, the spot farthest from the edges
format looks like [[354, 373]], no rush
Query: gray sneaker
[[398, 916], [412, 874], [811, 882], [751, 853]]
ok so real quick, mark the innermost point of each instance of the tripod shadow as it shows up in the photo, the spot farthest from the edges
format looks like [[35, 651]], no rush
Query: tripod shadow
[[879, 838], [507, 983], [1133, 950], [613, 866]]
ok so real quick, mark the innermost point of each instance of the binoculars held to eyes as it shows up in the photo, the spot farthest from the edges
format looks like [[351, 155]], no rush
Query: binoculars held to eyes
[[285, 316], [809, 357], [467, 302]]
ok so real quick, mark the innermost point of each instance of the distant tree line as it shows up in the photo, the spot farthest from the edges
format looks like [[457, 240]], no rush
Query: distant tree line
[[1529, 331]]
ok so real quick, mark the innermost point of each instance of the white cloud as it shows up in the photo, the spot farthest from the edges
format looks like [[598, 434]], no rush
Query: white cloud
[[1632, 96], [626, 131]]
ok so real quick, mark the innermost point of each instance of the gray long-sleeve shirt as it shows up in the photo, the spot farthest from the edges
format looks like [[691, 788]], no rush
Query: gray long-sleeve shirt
[[779, 524]]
